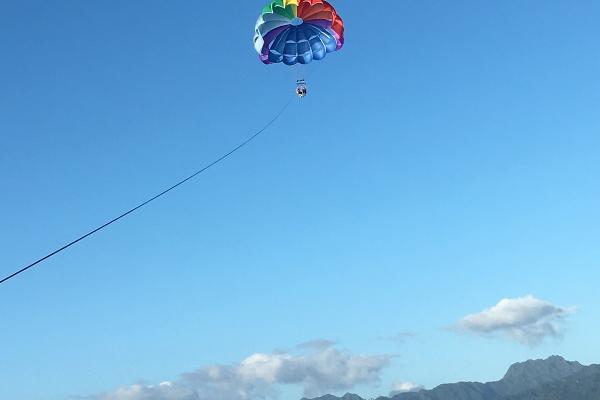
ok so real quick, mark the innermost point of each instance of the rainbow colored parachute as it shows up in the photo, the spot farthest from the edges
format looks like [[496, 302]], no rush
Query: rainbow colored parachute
[[298, 31]]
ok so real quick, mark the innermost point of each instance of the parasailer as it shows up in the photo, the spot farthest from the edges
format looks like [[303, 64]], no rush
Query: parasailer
[[298, 32], [301, 89]]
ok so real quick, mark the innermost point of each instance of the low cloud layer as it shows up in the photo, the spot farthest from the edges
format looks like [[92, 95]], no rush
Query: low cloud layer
[[405, 387], [317, 367], [526, 320]]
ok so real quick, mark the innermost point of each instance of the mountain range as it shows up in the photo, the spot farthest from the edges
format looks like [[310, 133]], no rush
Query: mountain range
[[552, 379]]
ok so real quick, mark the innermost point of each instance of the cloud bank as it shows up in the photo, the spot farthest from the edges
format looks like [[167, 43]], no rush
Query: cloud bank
[[526, 320], [405, 387], [317, 367]]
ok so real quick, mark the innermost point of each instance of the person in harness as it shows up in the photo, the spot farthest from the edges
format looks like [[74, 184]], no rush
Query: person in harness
[[301, 89]]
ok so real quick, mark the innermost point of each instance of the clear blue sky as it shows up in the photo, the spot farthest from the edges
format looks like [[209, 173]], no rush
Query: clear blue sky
[[446, 158]]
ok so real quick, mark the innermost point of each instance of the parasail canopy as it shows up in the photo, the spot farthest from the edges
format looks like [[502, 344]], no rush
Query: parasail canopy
[[298, 31]]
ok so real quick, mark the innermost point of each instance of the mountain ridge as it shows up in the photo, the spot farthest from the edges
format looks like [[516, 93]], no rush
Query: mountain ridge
[[529, 380]]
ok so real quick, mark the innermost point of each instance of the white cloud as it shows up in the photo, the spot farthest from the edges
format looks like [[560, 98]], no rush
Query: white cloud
[[526, 320], [405, 387], [317, 367], [317, 344]]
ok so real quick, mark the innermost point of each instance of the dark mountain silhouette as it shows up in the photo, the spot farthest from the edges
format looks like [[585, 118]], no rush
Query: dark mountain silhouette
[[584, 385], [550, 379], [347, 396]]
